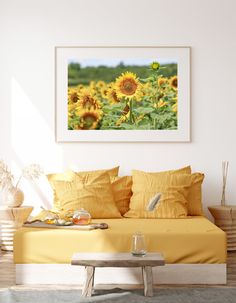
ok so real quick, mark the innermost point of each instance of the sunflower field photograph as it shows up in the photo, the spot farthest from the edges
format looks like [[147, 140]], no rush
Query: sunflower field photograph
[[127, 94], [122, 94]]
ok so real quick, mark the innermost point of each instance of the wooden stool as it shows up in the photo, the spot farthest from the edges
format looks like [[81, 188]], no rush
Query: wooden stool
[[10, 220], [93, 260], [225, 218]]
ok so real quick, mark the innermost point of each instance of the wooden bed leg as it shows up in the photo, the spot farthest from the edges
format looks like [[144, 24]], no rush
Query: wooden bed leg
[[88, 286], [147, 281]]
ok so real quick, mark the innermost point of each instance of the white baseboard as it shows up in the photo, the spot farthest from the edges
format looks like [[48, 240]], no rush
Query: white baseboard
[[168, 274]]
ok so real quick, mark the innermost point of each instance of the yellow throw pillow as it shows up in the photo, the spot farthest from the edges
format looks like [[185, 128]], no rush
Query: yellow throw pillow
[[121, 187], [195, 196], [195, 191], [112, 172], [92, 192], [174, 191], [183, 170], [68, 176]]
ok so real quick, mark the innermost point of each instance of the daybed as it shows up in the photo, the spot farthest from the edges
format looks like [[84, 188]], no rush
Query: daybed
[[194, 250]]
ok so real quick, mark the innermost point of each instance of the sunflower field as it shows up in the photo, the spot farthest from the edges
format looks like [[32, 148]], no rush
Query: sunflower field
[[127, 102]]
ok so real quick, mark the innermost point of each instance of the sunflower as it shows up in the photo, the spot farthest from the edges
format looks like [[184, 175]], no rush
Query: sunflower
[[92, 85], [175, 107], [174, 82], [73, 95], [146, 89], [161, 103], [88, 100], [162, 81], [73, 106], [122, 119], [128, 86], [89, 119], [155, 65], [100, 84], [80, 86], [103, 93], [112, 95]]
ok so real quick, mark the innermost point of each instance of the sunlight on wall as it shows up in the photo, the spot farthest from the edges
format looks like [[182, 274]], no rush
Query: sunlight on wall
[[31, 137], [32, 141]]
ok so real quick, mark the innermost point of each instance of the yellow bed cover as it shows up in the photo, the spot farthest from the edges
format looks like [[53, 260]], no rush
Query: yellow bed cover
[[192, 240]]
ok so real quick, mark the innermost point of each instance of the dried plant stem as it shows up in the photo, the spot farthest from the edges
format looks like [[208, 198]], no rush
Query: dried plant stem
[[225, 165], [18, 181]]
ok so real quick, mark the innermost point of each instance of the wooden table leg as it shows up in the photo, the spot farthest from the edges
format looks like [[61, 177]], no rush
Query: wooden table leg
[[88, 286], [147, 281]]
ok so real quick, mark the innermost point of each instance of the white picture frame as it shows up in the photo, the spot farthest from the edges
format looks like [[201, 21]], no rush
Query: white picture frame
[[63, 55]]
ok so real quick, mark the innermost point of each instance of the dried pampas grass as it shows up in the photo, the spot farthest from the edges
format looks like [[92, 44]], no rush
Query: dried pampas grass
[[225, 166], [152, 204]]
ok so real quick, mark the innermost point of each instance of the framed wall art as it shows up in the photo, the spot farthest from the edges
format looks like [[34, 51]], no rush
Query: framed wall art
[[122, 94]]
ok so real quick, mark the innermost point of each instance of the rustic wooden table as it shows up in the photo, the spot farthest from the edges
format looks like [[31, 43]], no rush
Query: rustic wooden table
[[93, 260]]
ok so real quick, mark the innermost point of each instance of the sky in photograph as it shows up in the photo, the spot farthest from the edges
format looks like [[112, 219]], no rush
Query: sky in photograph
[[114, 62]]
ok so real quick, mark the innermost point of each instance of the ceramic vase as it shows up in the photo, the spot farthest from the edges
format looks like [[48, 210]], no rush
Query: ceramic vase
[[13, 197]]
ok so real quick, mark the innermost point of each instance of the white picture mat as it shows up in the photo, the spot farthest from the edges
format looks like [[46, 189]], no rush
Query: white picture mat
[[64, 54]]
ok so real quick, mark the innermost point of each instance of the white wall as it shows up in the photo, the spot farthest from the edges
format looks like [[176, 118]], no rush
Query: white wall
[[29, 30]]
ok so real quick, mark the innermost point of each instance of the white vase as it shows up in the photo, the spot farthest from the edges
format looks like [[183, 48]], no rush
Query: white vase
[[13, 197]]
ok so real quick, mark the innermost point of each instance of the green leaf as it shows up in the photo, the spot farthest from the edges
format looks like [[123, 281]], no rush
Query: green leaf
[[145, 126], [144, 110], [154, 116], [128, 126], [113, 107], [146, 79]]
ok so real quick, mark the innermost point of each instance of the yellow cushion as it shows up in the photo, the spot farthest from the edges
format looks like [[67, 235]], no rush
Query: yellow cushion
[[195, 196], [195, 191], [173, 189], [112, 172], [68, 176], [183, 170], [121, 187], [91, 191]]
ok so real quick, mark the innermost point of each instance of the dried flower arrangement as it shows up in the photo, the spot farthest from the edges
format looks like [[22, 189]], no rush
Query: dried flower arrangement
[[13, 195], [225, 166], [6, 177]]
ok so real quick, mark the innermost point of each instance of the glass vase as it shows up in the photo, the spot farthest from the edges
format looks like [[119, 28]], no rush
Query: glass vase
[[138, 245]]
